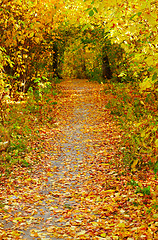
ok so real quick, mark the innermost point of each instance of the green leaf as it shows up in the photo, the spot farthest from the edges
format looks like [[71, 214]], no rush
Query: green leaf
[[37, 80], [156, 142], [155, 215], [85, 27], [139, 14], [95, 9], [154, 76], [132, 17], [91, 13]]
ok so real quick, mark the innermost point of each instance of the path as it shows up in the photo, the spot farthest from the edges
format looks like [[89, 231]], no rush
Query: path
[[75, 194]]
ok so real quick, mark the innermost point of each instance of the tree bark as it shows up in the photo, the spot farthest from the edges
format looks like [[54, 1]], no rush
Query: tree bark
[[107, 73], [55, 60]]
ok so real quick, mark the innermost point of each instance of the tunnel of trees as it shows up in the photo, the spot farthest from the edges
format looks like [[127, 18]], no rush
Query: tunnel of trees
[[106, 41], [37, 41], [46, 48]]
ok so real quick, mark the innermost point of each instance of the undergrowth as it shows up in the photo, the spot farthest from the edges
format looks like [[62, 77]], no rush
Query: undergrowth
[[21, 125], [137, 115]]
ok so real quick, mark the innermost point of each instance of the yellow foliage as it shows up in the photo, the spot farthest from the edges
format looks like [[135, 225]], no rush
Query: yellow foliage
[[133, 166]]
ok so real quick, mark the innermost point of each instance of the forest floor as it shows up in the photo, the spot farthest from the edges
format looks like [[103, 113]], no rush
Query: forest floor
[[79, 189]]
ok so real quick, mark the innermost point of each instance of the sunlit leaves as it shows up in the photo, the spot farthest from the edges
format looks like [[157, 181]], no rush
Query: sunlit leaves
[[26, 29], [133, 25]]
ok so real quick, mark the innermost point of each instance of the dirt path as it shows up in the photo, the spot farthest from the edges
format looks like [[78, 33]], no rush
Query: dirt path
[[78, 192]]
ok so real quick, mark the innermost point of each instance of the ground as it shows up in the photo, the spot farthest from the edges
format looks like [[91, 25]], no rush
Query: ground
[[80, 189]]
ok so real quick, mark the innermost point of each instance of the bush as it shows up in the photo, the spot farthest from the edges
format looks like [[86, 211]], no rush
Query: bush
[[136, 113]]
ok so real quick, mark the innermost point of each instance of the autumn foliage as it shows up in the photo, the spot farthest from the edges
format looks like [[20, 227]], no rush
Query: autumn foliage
[[113, 43]]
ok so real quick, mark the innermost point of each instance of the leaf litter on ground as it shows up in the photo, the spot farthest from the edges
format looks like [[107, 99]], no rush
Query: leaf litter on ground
[[80, 188]]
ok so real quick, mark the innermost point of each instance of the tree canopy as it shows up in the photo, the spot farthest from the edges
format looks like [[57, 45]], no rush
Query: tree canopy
[[29, 28]]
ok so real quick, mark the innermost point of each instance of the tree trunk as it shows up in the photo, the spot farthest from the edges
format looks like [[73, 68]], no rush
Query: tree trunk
[[55, 60], [105, 65]]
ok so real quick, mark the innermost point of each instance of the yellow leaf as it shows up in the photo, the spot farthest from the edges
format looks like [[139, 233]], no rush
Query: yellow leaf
[[145, 84], [143, 134], [18, 219], [50, 229], [81, 233], [103, 235], [134, 164], [94, 223], [6, 216], [28, 179], [109, 191], [33, 233], [121, 225], [16, 233], [132, 29], [31, 34], [37, 40]]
